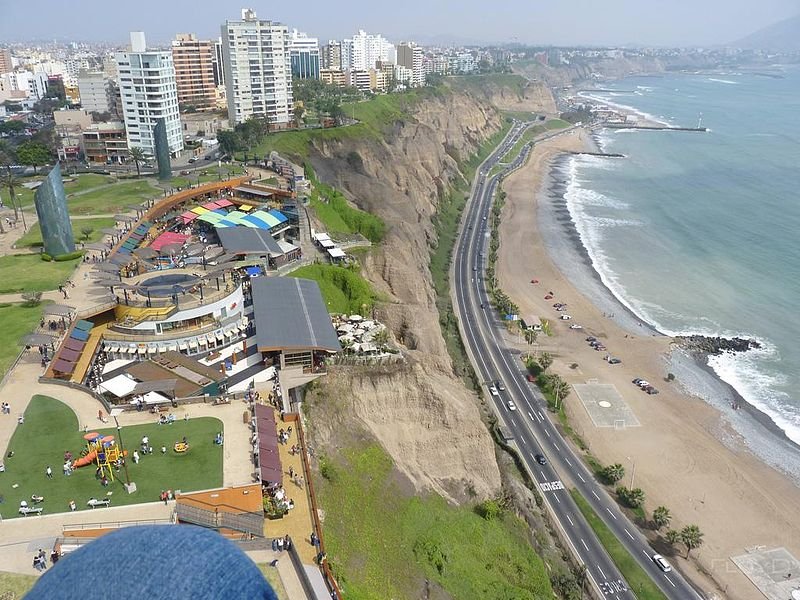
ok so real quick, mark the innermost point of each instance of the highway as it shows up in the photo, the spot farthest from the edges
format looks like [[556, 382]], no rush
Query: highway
[[530, 423]]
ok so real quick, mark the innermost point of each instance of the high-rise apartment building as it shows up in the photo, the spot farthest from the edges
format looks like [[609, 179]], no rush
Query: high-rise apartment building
[[219, 64], [304, 54], [410, 56], [332, 56], [194, 71], [148, 93], [366, 49], [258, 70], [6, 64], [96, 92]]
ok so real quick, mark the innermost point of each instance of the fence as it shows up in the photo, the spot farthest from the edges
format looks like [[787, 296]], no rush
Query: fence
[[249, 523]]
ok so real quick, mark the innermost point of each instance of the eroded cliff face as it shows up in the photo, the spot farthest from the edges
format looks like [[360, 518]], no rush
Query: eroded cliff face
[[420, 412]]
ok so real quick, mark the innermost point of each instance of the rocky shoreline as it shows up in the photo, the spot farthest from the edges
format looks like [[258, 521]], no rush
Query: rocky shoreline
[[714, 346]]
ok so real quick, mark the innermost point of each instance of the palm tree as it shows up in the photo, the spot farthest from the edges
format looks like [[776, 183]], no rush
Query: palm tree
[[10, 181], [692, 538], [137, 156], [614, 473], [661, 517], [673, 536], [545, 360]]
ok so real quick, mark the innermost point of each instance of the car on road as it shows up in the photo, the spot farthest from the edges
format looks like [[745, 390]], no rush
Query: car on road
[[193, 159], [540, 459], [483, 305], [576, 326], [500, 386], [493, 391], [511, 405], [565, 317], [474, 268], [662, 563], [184, 172]]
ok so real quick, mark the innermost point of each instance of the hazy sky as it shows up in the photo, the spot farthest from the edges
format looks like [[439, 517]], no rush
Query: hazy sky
[[656, 22]]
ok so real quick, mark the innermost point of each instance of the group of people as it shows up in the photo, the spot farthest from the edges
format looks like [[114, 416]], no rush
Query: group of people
[[284, 435], [96, 371], [167, 495], [40, 560], [6, 408], [281, 544]]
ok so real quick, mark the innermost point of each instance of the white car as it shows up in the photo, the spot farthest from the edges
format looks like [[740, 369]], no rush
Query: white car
[[565, 317], [576, 326], [493, 391], [662, 563], [511, 405]]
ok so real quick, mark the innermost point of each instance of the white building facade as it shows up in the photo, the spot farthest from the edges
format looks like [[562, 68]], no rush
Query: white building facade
[[258, 70], [95, 90], [148, 92], [365, 49]]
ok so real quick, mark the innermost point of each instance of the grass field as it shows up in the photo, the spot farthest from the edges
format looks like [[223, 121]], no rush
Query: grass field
[[51, 428], [17, 320], [637, 579], [338, 216], [33, 239], [29, 273], [16, 584], [383, 543], [80, 183], [110, 199], [343, 289]]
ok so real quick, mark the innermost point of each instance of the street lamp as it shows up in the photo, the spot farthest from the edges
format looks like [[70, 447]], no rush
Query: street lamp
[[130, 487], [633, 470]]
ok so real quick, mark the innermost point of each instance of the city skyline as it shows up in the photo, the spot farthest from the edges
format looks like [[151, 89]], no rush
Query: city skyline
[[685, 23]]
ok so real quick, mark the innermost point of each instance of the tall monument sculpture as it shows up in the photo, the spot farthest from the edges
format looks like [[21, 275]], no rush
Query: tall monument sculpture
[[162, 149], [51, 208]]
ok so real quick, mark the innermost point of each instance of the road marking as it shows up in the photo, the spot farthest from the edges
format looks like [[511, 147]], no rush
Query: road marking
[[523, 440], [612, 514], [601, 571], [584, 545], [552, 486], [629, 535], [582, 479], [668, 579], [544, 479], [595, 495], [541, 415], [646, 554], [556, 497], [547, 433], [556, 447], [570, 520], [569, 463]]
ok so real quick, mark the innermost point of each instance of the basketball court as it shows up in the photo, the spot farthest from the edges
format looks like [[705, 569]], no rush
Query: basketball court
[[775, 572], [605, 406]]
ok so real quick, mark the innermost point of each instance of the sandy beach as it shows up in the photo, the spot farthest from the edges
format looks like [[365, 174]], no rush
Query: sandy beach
[[735, 499]]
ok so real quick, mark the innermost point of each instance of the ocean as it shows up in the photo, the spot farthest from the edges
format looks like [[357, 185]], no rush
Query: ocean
[[698, 232]]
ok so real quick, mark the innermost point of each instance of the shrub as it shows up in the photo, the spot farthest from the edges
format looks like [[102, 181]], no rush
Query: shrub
[[46, 257], [68, 257], [489, 509]]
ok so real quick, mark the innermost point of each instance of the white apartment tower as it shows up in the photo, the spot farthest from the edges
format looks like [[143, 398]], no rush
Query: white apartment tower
[[96, 91], [364, 50], [148, 92], [411, 56], [258, 70]]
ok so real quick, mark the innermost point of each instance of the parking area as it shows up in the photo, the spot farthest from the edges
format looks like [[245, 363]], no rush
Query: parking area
[[775, 572], [605, 406]]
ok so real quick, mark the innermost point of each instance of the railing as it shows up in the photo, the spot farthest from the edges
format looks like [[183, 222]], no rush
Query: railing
[[249, 523], [96, 309], [300, 569], [116, 524]]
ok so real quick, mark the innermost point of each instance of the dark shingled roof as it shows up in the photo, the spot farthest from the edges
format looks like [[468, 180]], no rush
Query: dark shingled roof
[[291, 314], [247, 240]]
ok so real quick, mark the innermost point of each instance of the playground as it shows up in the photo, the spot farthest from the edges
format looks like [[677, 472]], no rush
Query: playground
[[50, 430]]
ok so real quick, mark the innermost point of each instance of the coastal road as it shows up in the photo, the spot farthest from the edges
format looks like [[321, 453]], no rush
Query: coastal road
[[529, 423]]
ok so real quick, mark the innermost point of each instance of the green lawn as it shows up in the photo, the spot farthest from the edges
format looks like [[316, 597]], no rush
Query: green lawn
[[343, 288], [84, 181], [112, 198], [51, 427], [382, 543], [33, 239], [637, 578], [339, 216], [16, 584], [17, 320], [556, 124], [271, 575], [29, 273]]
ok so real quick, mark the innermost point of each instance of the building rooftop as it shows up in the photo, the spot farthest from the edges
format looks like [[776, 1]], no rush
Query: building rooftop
[[291, 314], [247, 240]]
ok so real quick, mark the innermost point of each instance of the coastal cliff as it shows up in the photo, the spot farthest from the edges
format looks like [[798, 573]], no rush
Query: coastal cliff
[[421, 413]]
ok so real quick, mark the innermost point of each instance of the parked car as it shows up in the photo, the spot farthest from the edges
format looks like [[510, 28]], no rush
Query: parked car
[[576, 326], [614, 361], [651, 390], [565, 317], [193, 159], [591, 339], [662, 563]]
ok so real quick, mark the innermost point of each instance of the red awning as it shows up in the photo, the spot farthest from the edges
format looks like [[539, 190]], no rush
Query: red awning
[[69, 355], [223, 202], [168, 237], [188, 217], [73, 344], [63, 366]]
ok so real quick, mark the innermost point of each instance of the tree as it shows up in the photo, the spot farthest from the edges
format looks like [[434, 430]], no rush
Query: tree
[[632, 498], [229, 141], [137, 156], [673, 536], [692, 538], [561, 389], [531, 336], [661, 517], [545, 360], [613, 473], [10, 181], [32, 298], [86, 231], [381, 338], [299, 111], [8, 155], [33, 154]]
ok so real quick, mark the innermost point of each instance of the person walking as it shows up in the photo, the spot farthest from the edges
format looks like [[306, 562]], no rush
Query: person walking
[[49, 472]]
